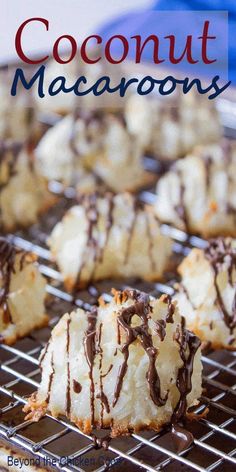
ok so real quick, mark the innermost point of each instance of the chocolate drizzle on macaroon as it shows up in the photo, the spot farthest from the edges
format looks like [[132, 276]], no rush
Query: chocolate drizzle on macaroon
[[211, 166], [9, 153], [9, 157], [101, 395], [133, 314], [68, 395], [141, 308], [98, 245], [161, 324], [8, 254], [180, 208], [90, 353], [90, 207], [90, 204], [96, 124], [91, 119], [188, 346], [221, 251], [51, 377]]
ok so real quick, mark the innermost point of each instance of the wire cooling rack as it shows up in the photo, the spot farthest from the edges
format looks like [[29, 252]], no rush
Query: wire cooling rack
[[60, 444], [57, 444]]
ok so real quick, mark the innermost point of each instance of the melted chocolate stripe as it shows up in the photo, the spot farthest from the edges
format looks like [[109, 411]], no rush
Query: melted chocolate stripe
[[161, 329], [109, 370], [218, 252], [90, 352], [171, 309], [68, 395], [141, 308], [9, 153], [100, 368], [8, 254], [91, 210], [182, 289], [91, 207], [208, 162], [90, 203], [160, 325], [44, 353], [89, 117], [180, 208], [50, 380], [187, 341], [99, 252]]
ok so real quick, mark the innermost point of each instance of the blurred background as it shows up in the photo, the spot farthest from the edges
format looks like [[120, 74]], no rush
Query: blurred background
[[83, 17]]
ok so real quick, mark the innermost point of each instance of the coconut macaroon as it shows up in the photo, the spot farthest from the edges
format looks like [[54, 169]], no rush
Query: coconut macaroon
[[56, 157], [207, 293], [109, 237], [129, 364], [65, 103], [96, 142], [17, 115], [170, 128], [22, 293], [198, 194], [23, 191], [62, 103]]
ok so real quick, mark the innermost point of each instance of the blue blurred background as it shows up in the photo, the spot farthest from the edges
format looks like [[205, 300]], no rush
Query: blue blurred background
[[144, 22]]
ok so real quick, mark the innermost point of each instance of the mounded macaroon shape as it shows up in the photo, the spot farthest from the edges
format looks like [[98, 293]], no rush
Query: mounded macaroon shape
[[198, 194], [23, 191], [22, 293], [109, 236], [170, 127], [97, 143], [206, 294], [65, 103], [129, 364], [17, 114], [62, 103]]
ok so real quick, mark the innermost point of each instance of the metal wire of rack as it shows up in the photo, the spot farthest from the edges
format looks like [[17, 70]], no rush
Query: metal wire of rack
[[58, 444]]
